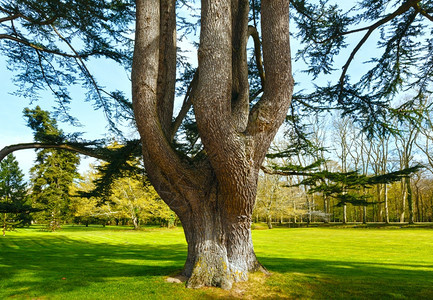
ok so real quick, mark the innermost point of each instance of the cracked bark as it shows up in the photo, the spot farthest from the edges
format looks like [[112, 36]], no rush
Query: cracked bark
[[213, 195]]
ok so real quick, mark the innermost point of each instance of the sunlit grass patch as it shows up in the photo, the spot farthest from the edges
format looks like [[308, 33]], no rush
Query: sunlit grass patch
[[306, 263]]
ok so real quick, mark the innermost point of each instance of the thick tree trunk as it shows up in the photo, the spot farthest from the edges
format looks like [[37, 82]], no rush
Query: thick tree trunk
[[220, 250], [213, 194]]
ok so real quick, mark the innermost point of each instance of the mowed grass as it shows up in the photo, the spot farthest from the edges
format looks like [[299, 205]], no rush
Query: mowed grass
[[306, 263]]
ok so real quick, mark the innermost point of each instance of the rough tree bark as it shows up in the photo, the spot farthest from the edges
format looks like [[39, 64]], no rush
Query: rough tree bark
[[213, 195]]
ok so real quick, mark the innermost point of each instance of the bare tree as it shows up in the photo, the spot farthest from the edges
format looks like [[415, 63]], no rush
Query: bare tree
[[405, 142], [345, 145]]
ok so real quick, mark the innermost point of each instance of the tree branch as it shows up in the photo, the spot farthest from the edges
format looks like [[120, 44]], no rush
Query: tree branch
[[166, 65], [87, 74], [270, 111], [284, 173], [36, 47], [9, 18], [212, 102], [47, 81], [166, 169], [252, 31], [402, 9], [422, 11], [240, 85], [425, 14], [187, 103], [20, 15], [85, 151]]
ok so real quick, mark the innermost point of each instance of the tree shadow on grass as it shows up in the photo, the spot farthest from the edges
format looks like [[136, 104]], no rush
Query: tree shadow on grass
[[31, 267], [55, 264], [355, 280]]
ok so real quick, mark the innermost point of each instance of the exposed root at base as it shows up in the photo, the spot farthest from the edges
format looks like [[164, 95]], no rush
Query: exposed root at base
[[224, 283], [177, 279], [220, 275], [261, 268]]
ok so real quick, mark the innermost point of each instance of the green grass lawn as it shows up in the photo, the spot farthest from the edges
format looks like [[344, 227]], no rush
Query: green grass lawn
[[306, 263]]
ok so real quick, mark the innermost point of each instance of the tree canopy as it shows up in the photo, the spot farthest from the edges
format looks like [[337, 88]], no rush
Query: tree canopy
[[400, 34]]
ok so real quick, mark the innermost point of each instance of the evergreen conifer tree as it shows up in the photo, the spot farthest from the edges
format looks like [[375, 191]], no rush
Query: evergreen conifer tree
[[54, 171], [13, 198]]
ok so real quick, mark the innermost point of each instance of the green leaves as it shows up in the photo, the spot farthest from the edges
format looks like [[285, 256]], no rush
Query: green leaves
[[49, 44], [54, 170], [44, 127], [121, 162], [14, 204], [321, 29], [346, 186], [12, 185], [392, 37]]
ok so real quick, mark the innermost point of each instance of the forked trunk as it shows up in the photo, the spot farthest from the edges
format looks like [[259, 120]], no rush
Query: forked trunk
[[217, 229], [212, 193]]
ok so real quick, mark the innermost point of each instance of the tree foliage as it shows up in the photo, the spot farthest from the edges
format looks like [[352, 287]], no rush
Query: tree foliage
[[50, 43], [345, 185], [137, 200], [54, 171], [14, 204], [402, 59], [12, 185], [131, 198]]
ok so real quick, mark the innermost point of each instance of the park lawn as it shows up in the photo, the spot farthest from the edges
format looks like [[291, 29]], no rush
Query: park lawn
[[306, 263]]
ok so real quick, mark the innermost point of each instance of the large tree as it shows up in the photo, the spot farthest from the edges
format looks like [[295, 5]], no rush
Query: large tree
[[213, 194], [212, 186]]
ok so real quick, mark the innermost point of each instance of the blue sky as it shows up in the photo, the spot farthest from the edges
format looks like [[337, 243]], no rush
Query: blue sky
[[13, 125]]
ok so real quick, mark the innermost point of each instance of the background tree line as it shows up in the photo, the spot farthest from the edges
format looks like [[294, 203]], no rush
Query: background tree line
[[341, 146], [57, 194]]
